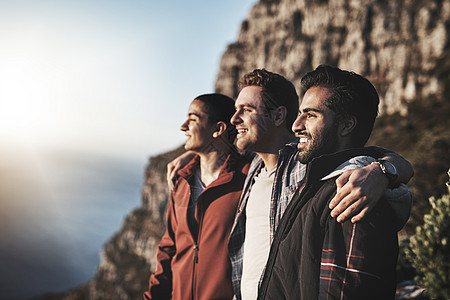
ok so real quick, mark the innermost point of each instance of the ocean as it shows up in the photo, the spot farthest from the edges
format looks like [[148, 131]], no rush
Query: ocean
[[57, 210]]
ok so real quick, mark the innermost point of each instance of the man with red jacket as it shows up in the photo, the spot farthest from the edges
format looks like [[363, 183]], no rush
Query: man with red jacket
[[192, 256]]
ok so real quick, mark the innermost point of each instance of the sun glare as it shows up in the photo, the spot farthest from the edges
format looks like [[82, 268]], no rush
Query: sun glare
[[25, 73]]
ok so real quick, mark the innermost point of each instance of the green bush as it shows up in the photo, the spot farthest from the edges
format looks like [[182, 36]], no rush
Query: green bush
[[429, 249]]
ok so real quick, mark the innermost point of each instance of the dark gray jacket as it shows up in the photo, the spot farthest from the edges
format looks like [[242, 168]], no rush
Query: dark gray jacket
[[315, 257]]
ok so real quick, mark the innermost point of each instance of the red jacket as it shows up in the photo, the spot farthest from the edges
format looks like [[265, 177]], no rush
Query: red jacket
[[196, 265]]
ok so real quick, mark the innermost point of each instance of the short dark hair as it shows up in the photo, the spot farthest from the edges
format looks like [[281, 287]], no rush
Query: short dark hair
[[276, 91], [219, 107], [351, 95]]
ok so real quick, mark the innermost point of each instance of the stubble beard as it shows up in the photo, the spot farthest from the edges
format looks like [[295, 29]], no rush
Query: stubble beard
[[324, 143]]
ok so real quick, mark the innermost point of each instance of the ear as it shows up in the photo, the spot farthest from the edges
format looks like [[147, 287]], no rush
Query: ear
[[221, 127], [279, 115], [348, 125]]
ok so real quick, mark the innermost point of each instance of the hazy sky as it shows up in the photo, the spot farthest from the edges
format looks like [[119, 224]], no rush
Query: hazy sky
[[108, 76]]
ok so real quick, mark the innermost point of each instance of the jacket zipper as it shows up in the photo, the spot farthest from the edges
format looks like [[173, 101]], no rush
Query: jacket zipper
[[195, 258], [194, 277]]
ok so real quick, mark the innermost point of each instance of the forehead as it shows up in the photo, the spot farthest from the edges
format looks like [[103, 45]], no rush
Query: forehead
[[315, 97], [197, 108], [250, 95]]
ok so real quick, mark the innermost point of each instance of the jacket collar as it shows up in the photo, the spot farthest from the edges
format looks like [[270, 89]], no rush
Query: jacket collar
[[226, 173], [257, 163], [190, 168]]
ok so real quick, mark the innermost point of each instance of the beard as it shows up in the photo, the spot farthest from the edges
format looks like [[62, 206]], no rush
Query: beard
[[324, 142]]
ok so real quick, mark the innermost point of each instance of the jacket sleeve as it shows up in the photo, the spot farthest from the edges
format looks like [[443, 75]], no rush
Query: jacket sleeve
[[358, 259], [400, 199], [160, 283]]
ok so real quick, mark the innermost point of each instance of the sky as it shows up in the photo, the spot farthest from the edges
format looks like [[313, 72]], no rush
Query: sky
[[108, 76]]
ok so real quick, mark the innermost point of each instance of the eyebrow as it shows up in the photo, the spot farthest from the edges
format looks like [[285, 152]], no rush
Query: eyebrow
[[306, 110], [245, 104], [193, 114]]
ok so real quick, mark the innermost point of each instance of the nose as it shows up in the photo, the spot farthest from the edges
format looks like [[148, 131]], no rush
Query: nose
[[235, 119], [299, 124], [184, 126]]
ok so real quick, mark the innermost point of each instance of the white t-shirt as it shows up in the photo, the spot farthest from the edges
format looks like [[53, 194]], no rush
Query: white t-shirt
[[257, 233]]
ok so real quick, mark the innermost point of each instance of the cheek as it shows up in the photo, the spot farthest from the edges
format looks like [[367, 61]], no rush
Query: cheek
[[315, 126], [194, 132], [261, 122]]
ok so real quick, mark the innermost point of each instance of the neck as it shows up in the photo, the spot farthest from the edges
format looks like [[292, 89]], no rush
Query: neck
[[345, 144], [270, 160], [211, 163], [270, 154]]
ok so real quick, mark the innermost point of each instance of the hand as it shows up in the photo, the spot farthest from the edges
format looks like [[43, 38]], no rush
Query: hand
[[358, 191], [177, 164]]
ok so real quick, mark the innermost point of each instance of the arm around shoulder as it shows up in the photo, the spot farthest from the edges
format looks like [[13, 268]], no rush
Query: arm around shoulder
[[404, 169], [400, 199], [177, 164]]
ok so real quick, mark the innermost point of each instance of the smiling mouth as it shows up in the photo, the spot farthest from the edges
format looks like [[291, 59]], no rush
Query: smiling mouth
[[241, 131], [303, 140]]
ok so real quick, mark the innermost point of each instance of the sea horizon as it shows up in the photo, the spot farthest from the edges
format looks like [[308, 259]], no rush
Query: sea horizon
[[58, 209]]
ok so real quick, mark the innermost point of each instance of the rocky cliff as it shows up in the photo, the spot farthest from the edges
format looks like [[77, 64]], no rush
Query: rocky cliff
[[396, 44], [403, 47]]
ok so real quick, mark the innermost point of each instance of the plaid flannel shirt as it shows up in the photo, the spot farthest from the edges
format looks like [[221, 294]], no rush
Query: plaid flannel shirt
[[357, 261], [348, 270], [288, 177], [362, 264]]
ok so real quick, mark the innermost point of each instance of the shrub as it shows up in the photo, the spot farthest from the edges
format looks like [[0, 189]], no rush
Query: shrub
[[429, 249]]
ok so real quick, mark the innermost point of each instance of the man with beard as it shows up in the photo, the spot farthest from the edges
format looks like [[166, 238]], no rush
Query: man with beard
[[312, 255]]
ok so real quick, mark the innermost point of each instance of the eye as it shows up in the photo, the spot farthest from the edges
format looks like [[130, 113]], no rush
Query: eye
[[310, 115]]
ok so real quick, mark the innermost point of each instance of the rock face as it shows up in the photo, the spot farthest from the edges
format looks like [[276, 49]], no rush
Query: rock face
[[401, 46], [396, 44]]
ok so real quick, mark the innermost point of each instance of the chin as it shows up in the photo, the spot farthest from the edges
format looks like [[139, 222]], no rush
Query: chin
[[241, 145], [304, 157]]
